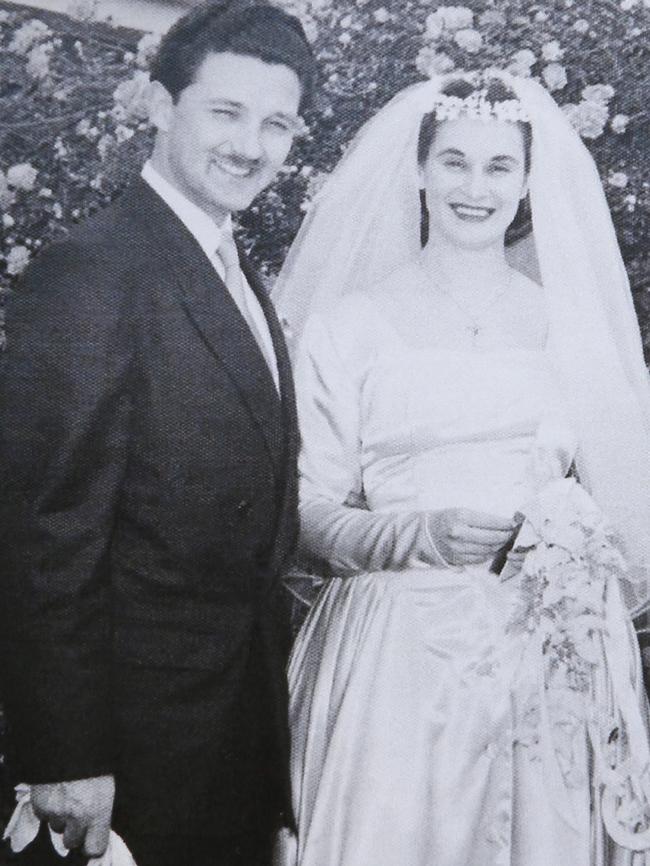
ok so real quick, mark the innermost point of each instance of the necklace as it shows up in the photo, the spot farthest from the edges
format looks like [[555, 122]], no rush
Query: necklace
[[476, 324]]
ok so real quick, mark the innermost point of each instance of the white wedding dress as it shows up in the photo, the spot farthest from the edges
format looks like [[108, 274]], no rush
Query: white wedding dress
[[410, 746]]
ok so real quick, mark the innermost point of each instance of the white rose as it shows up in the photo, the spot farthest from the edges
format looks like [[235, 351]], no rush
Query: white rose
[[469, 40], [29, 34], [521, 62], [456, 17], [552, 52], [381, 15], [618, 179], [587, 118], [554, 76], [105, 144], [22, 176], [581, 26], [8, 221], [82, 10], [38, 61], [17, 260], [434, 26], [620, 123], [147, 47], [430, 62], [123, 133], [628, 5], [598, 93], [132, 97]]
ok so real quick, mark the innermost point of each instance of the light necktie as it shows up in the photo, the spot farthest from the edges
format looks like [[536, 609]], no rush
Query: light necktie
[[227, 251]]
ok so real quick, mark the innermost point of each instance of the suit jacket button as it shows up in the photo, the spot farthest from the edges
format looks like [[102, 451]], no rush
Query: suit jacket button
[[244, 507]]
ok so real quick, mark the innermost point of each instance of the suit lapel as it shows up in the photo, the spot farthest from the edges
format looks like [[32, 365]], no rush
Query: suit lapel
[[217, 319], [287, 525]]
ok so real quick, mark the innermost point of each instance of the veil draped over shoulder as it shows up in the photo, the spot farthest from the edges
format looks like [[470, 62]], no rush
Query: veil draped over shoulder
[[365, 222]]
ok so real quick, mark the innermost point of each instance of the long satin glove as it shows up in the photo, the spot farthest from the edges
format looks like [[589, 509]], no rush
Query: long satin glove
[[353, 540]]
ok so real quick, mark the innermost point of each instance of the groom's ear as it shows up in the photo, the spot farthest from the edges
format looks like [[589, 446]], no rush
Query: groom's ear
[[161, 106]]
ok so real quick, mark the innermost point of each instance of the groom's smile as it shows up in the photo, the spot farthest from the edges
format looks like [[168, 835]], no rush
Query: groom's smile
[[228, 133]]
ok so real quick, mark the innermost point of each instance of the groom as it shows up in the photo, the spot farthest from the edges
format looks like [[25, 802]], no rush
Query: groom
[[148, 469]]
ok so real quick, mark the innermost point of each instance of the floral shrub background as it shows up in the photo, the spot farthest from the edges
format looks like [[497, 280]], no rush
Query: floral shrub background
[[73, 124]]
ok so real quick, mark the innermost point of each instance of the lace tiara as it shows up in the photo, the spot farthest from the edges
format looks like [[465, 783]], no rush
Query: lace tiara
[[478, 107]]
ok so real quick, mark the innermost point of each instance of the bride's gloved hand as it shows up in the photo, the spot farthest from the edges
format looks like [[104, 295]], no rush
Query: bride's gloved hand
[[465, 537]]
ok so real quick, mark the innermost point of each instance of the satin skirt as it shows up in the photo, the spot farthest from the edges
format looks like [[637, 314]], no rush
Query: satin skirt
[[411, 744]]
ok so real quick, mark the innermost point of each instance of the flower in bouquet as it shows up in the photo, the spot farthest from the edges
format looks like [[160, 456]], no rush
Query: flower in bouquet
[[581, 26], [555, 77], [22, 176], [29, 34]]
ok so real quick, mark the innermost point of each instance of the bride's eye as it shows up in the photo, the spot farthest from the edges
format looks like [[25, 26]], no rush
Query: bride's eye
[[499, 168]]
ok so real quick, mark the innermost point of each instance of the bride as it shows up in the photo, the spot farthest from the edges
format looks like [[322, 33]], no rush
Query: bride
[[466, 690]]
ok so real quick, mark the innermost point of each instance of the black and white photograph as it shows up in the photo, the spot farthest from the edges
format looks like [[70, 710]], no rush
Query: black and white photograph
[[324, 433]]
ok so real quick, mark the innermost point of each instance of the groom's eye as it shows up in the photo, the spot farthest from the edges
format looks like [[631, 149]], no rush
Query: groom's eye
[[224, 112], [454, 163]]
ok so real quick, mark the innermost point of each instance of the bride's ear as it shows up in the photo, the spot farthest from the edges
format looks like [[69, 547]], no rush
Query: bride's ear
[[161, 106], [524, 190]]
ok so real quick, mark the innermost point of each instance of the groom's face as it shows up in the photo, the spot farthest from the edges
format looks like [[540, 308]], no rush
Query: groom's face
[[229, 132]]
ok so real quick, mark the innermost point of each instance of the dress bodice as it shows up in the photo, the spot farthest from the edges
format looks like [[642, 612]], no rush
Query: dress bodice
[[414, 428]]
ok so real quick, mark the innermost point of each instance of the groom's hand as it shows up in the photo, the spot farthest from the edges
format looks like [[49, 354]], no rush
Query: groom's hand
[[81, 810]]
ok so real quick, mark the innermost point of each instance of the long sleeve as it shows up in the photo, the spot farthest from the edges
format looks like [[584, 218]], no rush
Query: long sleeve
[[63, 451], [335, 527]]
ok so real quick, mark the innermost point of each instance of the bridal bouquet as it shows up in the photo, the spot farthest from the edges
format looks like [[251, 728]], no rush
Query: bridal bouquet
[[570, 614]]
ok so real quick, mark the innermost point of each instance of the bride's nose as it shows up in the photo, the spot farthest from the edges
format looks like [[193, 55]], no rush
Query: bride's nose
[[475, 184]]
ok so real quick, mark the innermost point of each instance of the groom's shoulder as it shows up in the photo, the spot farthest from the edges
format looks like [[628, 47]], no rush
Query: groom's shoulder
[[107, 242]]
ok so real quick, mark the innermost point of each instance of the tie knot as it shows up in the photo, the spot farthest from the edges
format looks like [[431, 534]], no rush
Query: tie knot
[[227, 249]]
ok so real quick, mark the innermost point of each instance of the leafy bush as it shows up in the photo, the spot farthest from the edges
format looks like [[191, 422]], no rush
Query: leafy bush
[[73, 92], [73, 122]]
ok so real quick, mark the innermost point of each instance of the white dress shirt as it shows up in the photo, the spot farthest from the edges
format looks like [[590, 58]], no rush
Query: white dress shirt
[[208, 235]]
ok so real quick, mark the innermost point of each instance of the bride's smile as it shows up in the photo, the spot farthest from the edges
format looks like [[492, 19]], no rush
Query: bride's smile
[[474, 179]]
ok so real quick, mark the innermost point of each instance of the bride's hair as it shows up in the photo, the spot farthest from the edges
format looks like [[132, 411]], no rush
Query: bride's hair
[[494, 91]]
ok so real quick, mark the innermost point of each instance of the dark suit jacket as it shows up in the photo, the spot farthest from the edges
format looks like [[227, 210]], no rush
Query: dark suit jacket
[[148, 508]]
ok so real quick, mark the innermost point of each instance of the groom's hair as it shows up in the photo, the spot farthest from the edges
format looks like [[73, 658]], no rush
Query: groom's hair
[[253, 28]]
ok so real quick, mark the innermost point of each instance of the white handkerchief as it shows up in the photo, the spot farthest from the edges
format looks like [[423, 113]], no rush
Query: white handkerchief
[[23, 828]]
